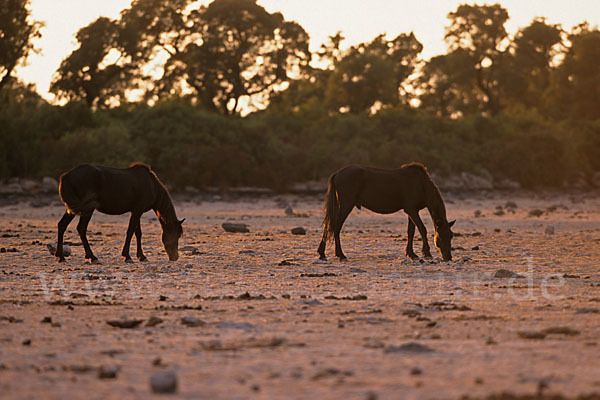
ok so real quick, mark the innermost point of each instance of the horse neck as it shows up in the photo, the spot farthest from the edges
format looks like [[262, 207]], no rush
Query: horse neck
[[164, 205], [435, 204]]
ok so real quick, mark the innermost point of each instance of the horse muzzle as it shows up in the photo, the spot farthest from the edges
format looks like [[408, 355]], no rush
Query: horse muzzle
[[173, 256]]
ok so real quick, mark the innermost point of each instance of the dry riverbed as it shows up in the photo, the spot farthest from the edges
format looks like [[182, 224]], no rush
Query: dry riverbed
[[257, 316]]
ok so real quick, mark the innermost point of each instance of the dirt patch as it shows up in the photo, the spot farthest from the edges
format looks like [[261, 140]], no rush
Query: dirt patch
[[231, 320]]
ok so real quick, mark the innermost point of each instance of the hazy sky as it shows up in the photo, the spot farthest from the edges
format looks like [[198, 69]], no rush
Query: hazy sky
[[359, 21]]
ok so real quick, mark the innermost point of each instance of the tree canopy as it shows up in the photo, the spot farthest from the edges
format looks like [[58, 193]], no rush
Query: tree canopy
[[17, 33], [233, 55]]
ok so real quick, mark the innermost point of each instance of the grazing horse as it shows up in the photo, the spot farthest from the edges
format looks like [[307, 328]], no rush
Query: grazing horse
[[115, 191], [384, 191]]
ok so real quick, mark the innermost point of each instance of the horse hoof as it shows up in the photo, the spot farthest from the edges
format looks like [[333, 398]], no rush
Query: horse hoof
[[129, 260], [322, 257], [428, 257], [143, 259], [343, 258], [92, 260], [60, 259]]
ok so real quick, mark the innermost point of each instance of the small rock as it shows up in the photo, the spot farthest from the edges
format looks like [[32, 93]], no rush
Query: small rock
[[299, 231], [125, 323], [192, 321], [289, 211], [26, 342], [504, 273], [499, 212], [153, 321], [477, 213], [531, 334], [108, 372], [549, 230], [510, 204], [189, 249], [475, 248], [409, 348], [235, 228], [416, 371], [52, 249], [162, 298], [536, 212], [164, 382], [561, 330], [46, 320]]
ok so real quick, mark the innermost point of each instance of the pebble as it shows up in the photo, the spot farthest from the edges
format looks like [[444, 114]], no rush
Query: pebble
[[235, 228], [108, 372], [164, 382], [192, 321], [299, 231], [410, 348], [549, 230], [153, 321], [504, 273], [52, 249], [536, 212], [531, 334], [125, 323]]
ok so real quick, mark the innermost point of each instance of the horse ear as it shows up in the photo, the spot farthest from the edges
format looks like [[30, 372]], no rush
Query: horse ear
[[181, 222], [451, 223]]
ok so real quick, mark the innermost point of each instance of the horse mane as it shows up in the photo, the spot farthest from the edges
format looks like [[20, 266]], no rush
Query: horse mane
[[164, 202], [140, 164], [435, 196], [416, 165]]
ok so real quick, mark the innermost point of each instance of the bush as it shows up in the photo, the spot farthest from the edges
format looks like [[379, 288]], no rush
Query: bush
[[187, 145]]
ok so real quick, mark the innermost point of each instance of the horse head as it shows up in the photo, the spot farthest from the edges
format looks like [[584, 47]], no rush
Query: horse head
[[171, 232], [443, 238]]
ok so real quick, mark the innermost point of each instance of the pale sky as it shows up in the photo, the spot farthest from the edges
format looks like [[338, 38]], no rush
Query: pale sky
[[359, 21]]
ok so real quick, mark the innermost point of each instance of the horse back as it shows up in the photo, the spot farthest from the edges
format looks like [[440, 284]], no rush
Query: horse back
[[126, 190], [383, 191]]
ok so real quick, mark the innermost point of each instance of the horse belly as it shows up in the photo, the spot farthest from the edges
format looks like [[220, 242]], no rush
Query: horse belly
[[381, 209], [385, 201], [117, 202]]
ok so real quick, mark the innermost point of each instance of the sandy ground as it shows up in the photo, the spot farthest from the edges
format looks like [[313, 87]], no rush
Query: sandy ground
[[258, 316]]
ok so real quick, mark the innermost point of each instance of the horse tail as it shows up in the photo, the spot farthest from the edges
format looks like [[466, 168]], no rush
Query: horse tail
[[72, 201], [332, 208]]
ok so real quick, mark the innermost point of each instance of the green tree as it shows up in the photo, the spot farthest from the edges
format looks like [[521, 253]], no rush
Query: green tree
[[87, 74], [526, 74], [371, 74], [479, 31], [243, 51], [447, 86], [215, 54], [307, 94], [575, 87], [17, 32]]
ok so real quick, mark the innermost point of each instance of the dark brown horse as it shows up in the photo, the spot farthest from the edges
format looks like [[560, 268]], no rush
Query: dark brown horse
[[383, 191], [115, 191]]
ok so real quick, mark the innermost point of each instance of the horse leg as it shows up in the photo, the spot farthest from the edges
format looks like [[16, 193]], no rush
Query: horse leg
[[322, 246], [82, 225], [344, 212], [134, 222], [410, 253], [422, 230], [138, 239], [62, 227]]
